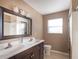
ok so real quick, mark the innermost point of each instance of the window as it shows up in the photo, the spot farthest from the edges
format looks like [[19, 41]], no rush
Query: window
[[55, 25]]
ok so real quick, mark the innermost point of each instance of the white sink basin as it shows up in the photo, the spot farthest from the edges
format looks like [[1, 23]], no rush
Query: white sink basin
[[9, 50], [29, 41], [2, 46]]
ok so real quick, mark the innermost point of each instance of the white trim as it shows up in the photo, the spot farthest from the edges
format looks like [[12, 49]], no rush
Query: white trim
[[59, 52]]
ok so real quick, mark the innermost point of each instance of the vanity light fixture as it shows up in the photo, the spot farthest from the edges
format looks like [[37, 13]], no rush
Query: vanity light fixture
[[16, 9]]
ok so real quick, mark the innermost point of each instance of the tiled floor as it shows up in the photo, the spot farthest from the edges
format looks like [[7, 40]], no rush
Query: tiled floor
[[56, 56]]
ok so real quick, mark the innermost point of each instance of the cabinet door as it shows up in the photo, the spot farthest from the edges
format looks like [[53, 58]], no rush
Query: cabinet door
[[12, 57], [28, 56], [36, 52], [41, 51]]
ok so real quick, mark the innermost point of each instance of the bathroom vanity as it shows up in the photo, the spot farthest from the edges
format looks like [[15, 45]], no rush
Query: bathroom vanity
[[35, 52], [31, 50]]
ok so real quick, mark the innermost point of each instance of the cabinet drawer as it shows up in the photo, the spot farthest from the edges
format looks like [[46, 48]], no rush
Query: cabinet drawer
[[24, 54]]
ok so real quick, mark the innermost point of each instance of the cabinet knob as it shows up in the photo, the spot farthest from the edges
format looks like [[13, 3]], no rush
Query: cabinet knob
[[32, 55]]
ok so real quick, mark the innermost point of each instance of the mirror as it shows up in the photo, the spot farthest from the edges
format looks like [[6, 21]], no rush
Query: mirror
[[15, 25]]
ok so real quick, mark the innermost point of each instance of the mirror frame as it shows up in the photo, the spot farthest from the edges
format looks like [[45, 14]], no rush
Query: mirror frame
[[2, 10]]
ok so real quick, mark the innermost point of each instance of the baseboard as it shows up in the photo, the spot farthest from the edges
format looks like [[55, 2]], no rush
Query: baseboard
[[59, 52]]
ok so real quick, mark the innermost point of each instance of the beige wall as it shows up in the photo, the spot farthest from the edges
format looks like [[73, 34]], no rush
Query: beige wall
[[36, 17], [59, 42]]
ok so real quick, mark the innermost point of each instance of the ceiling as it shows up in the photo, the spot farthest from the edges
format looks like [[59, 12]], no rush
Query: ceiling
[[49, 6]]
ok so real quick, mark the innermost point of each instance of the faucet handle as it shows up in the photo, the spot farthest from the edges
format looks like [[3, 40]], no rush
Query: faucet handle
[[9, 45]]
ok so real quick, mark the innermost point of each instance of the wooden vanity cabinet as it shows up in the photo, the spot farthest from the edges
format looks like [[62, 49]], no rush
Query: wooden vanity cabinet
[[35, 52]]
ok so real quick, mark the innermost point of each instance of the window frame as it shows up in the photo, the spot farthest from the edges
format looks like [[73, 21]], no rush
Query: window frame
[[62, 26]]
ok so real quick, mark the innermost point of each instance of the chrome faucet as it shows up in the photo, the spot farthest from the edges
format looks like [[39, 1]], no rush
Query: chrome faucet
[[9, 45], [21, 40]]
